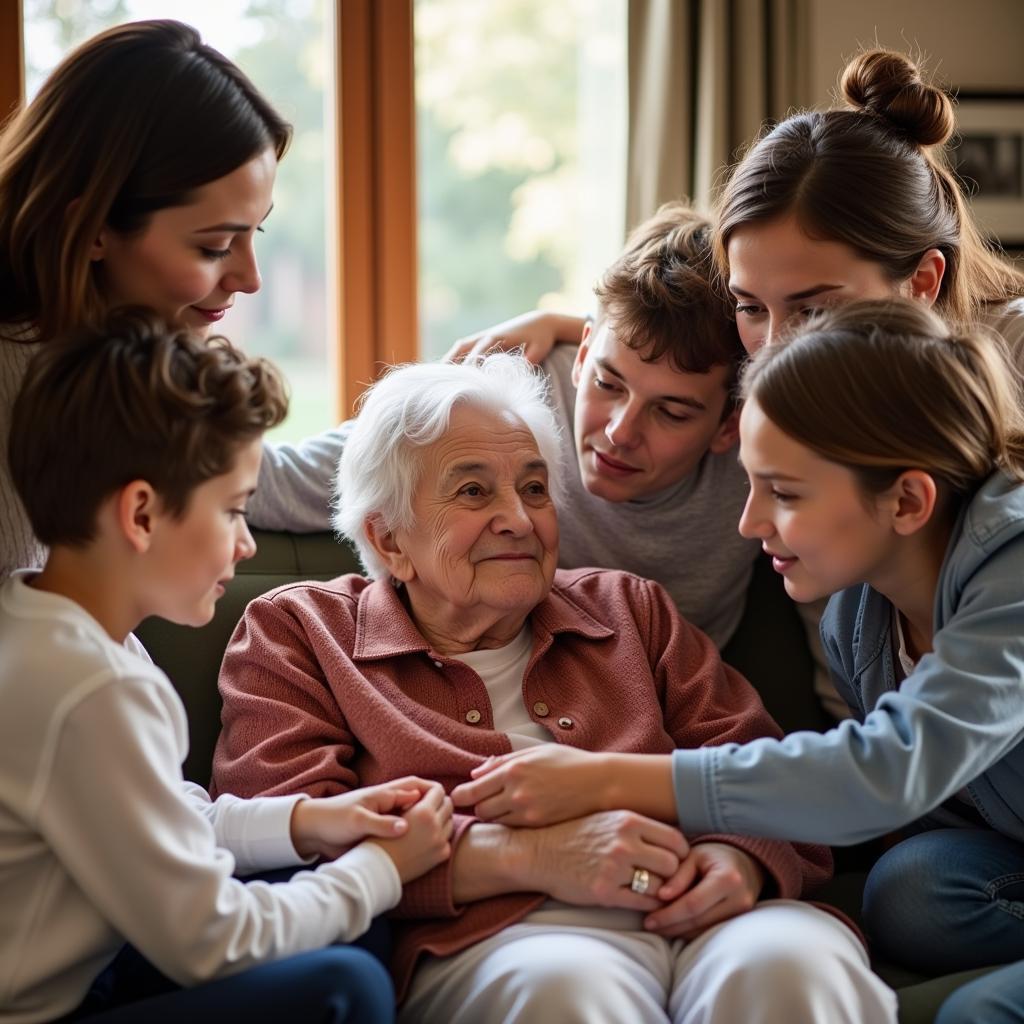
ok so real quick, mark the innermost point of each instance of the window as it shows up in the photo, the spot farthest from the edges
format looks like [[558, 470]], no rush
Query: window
[[521, 138], [518, 170]]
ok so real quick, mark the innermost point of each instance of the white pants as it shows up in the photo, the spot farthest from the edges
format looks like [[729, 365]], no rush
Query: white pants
[[783, 962]]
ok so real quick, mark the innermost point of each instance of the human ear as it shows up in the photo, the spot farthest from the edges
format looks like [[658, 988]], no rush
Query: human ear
[[389, 549], [98, 250], [727, 435], [925, 281], [138, 507], [911, 501], [581, 353]]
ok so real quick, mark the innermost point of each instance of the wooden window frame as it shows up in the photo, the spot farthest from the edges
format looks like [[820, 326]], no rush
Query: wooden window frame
[[373, 256]]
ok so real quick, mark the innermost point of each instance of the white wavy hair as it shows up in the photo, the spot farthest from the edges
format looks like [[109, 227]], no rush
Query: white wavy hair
[[409, 409]]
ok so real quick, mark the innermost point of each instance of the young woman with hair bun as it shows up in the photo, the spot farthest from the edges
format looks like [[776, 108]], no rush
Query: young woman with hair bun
[[860, 202]]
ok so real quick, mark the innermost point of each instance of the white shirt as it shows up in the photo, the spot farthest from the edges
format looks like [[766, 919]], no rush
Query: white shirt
[[502, 670], [102, 841]]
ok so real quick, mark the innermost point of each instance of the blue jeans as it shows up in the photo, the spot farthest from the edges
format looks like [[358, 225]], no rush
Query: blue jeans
[[336, 985], [949, 900]]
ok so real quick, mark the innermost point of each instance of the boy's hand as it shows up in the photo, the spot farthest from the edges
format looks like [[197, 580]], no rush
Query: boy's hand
[[328, 826], [714, 883], [535, 333], [425, 843], [537, 786]]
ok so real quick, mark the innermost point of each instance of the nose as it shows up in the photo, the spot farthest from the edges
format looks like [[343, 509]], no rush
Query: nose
[[245, 546], [621, 428], [243, 274], [511, 516], [753, 524]]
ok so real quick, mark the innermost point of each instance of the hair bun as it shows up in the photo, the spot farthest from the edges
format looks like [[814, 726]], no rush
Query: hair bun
[[888, 84]]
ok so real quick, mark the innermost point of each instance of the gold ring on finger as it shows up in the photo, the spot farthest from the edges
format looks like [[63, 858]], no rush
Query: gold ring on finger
[[641, 881]]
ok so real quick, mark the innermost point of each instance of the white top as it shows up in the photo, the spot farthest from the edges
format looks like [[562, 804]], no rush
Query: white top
[[102, 841], [502, 670]]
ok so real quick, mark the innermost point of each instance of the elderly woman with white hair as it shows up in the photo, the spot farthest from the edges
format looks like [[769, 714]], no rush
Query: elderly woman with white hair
[[464, 642]]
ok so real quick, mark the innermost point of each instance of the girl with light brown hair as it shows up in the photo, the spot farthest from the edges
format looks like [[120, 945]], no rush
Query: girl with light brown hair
[[885, 453]]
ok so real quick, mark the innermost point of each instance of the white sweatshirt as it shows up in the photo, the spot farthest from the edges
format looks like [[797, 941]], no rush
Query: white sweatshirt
[[102, 841]]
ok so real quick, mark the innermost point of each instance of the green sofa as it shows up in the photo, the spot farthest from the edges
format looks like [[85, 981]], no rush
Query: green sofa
[[769, 648]]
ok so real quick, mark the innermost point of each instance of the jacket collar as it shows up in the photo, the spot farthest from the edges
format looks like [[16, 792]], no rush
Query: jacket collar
[[384, 628]]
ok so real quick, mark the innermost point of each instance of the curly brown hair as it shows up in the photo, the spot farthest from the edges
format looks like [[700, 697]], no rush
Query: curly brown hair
[[132, 400]]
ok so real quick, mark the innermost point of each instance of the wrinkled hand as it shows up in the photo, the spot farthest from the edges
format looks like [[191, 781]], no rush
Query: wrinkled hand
[[590, 861], [541, 785], [426, 840], [328, 826], [534, 332], [714, 883]]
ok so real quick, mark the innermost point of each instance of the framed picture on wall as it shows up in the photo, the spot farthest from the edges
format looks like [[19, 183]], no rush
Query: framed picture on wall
[[989, 158]]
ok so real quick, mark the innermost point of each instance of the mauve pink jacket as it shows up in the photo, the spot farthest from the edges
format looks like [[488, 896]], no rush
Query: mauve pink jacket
[[328, 686]]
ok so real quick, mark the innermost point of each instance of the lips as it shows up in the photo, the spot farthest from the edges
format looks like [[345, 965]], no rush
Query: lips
[[781, 563], [211, 315], [613, 466]]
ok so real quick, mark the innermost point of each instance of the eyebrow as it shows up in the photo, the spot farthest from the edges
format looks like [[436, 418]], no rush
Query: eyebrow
[[229, 227], [686, 400], [807, 293], [779, 476], [466, 468], [247, 493]]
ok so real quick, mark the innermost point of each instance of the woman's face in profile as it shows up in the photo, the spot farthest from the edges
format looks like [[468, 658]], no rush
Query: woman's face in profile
[[188, 262]]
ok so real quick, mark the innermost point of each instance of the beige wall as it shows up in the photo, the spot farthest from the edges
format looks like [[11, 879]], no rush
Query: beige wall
[[971, 44]]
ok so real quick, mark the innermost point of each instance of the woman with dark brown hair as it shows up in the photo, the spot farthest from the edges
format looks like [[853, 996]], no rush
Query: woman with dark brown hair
[[139, 175]]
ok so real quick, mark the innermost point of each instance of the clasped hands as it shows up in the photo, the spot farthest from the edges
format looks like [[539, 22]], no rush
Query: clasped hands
[[409, 818], [589, 852]]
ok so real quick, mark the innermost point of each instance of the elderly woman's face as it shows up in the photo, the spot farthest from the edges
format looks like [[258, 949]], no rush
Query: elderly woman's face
[[485, 534]]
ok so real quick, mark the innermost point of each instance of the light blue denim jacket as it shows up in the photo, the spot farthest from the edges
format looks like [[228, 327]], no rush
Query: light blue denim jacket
[[956, 721]]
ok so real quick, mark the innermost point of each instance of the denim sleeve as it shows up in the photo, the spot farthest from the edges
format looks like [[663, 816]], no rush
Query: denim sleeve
[[956, 715]]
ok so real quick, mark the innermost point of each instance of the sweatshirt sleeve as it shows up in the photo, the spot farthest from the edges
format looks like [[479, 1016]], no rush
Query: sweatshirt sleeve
[[958, 713], [127, 832], [256, 832], [295, 490], [708, 703]]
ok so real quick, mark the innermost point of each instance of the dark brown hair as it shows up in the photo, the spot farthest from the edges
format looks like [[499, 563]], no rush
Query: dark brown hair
[[875, 177], [129, 123], [661, 298], [882, 387], [132, 400]]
